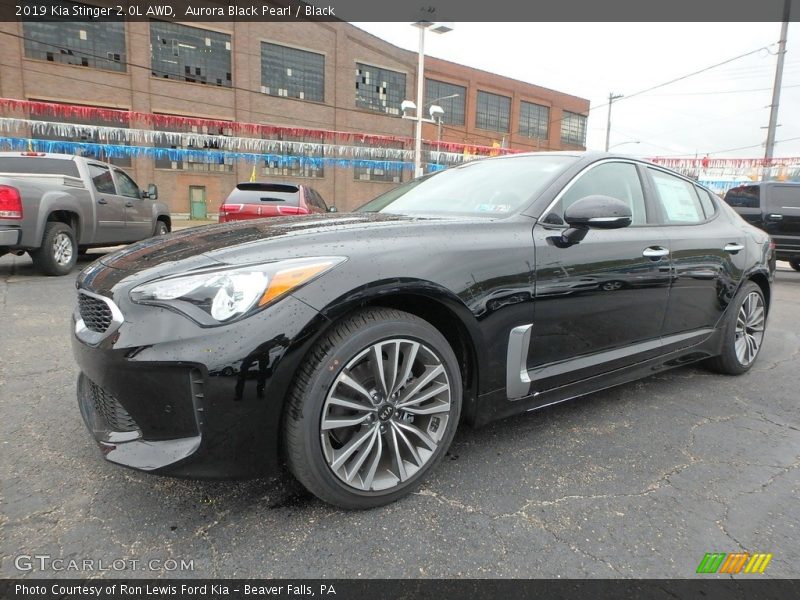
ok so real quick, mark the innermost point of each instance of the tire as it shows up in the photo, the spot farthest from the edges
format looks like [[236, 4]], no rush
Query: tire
[[794, 262], [392, 460], [161, 228], [58, 252], [748, 308]]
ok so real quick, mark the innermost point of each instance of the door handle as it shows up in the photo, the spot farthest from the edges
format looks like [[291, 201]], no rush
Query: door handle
[[129, 203], [655, 252], [102, 201], [775, 217], [733, 247]]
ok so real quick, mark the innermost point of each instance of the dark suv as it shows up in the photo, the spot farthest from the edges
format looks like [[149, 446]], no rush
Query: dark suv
[[774, 207]]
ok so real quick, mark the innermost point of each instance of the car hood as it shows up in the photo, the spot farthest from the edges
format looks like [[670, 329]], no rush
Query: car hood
[[223, 244]]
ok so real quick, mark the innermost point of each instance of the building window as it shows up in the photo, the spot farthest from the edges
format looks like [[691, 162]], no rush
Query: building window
[[95, 44], [379, 89], [212, 162], [534, 120], [573, 129], [297, 147], [374, 169], [493, 112], [292, 73], [89, 135], [190, 54], [438, 92]]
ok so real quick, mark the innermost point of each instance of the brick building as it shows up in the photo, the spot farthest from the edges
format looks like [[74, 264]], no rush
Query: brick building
[[299, 75]]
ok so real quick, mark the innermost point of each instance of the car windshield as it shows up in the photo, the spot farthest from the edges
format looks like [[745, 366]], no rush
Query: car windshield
[[490, 188]]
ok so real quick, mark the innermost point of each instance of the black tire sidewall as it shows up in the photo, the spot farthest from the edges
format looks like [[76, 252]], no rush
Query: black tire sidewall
[[794, 262], [159, 226], [323, 377]]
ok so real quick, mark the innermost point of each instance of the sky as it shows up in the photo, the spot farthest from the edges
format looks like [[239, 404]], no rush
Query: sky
[[722, 112]]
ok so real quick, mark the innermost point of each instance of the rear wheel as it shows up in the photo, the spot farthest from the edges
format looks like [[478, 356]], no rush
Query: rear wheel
[[743, 332], [59, 250], [794, 262], [374, 408]]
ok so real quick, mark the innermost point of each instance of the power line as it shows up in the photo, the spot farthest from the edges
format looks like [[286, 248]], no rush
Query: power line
[[693, 73], [792, 139], [649, 89], [712, 93]]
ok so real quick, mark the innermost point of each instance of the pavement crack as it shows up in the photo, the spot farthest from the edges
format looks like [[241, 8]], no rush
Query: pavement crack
[[203, 532], [449, 501]]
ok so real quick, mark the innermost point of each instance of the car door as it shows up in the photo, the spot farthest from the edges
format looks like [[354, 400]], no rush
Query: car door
[[708, 256], [138, 211], [109, 207], [600, 303], [782, 218]]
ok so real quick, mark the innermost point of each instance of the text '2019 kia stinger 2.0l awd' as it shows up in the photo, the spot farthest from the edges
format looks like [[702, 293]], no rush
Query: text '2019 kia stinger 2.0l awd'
[[351, 346]]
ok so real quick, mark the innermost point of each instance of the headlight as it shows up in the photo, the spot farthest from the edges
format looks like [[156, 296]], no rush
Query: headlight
[[215, 297]]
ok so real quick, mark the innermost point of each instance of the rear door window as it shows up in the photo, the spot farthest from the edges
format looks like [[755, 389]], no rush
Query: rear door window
[[743, 196], [783, 198], [101, 178], [265, 193], [679, 201]]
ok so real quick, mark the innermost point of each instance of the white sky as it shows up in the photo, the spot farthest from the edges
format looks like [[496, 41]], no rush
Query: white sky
[[708, 113]]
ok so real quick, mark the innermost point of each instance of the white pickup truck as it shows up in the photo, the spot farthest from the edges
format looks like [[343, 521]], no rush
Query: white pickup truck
[[54, 206]]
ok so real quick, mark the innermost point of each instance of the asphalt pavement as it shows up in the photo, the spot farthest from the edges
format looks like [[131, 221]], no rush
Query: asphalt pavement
[[637, 481]]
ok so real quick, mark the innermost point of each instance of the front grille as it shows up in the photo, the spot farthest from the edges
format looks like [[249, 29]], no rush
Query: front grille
[[111, 410], [96, 313]]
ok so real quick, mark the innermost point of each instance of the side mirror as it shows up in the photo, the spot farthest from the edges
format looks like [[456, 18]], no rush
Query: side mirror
[[594, 212], [152, 191], [333, 209]]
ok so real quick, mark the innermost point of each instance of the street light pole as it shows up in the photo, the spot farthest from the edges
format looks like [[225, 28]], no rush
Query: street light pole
[[436, 28], [611, 98], [420, 100]]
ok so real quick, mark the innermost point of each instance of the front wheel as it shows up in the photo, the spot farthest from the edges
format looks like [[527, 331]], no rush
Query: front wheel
[[161, 228], [374, 408], [59, 250], [743, 332], [794, 262]]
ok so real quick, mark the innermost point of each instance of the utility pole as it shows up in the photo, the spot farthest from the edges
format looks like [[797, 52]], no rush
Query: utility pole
[[611, 98], [776, 90]]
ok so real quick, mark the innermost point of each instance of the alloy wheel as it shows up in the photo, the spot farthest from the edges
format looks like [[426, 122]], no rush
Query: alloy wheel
[[750, 328], [62, 249], [385, 414]]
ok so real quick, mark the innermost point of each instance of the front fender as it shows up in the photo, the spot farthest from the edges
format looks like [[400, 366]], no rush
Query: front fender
[[432, 302]]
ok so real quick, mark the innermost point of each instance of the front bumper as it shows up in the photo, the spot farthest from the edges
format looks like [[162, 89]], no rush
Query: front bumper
[[162, 394]]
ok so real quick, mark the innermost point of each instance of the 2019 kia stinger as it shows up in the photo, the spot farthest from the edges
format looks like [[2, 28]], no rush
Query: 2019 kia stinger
[[351, 346]]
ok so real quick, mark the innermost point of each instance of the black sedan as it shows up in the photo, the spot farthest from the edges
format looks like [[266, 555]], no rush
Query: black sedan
[[350, 346]]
